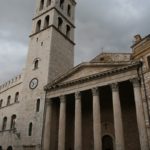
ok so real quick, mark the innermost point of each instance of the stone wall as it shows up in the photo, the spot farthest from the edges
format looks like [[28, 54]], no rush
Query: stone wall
[[10, 136]]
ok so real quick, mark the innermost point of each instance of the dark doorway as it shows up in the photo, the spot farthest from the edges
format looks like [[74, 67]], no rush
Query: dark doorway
[[0, 148], [107, 142], [10, 148]]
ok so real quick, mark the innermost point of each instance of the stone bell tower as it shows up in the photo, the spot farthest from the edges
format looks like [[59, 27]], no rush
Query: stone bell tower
[[51, 53], [52, 38]]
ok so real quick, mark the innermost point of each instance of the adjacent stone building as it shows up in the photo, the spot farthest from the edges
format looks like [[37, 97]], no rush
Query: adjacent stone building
[[103, 104]]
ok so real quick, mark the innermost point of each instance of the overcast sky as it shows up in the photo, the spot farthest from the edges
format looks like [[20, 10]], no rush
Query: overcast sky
[[100, 24]]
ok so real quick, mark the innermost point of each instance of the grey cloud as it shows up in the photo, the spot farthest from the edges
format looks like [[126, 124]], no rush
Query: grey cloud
[[15, 26], [16, 18], [110, 25], [107, 24], [12, 59]]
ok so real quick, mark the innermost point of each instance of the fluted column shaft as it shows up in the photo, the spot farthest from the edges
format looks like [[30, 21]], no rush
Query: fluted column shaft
[[118, 125], [62, 124], [96, 120], [47, 125], [78, 122], [140, 115]]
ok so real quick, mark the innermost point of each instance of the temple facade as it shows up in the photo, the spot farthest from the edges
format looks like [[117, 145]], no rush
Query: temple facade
[[103, 104]]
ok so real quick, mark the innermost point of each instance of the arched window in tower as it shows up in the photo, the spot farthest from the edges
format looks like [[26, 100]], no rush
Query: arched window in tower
[[30, 129], [68, 30], [46, 23], [41, 4], [8, 100], [1, 103], [36, 64], [61, 4], [38, 26], [4, 123], [60, 22], [148, 61], [69, 10], [38, 105], [48, 3], [13, 122], [17, 97]]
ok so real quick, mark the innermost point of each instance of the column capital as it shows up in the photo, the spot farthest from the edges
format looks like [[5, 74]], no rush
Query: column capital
[[114, 86], [95, 91], [62, 98], [49, 101], [135, 82], [78, 95]]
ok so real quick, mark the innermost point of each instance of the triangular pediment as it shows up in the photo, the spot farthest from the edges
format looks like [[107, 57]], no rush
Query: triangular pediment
[[84, 70]]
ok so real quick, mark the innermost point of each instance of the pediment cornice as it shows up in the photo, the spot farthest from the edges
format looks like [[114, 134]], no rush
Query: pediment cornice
[[58, 84]]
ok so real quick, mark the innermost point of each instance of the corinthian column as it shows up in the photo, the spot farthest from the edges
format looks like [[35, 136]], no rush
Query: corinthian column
[[140, 115], [96, 120], [118, 125], [62, 124], [47, 125], [78, 122]]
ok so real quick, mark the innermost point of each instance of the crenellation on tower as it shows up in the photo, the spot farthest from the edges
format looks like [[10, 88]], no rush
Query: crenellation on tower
[[11, 83]]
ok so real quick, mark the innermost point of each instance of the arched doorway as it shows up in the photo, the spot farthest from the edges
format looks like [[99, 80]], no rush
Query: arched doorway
[[0, 147], [10, 148], [107, 142]]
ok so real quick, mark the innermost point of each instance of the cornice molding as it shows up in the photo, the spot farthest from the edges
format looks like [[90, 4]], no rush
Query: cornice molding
[[52, 26]]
